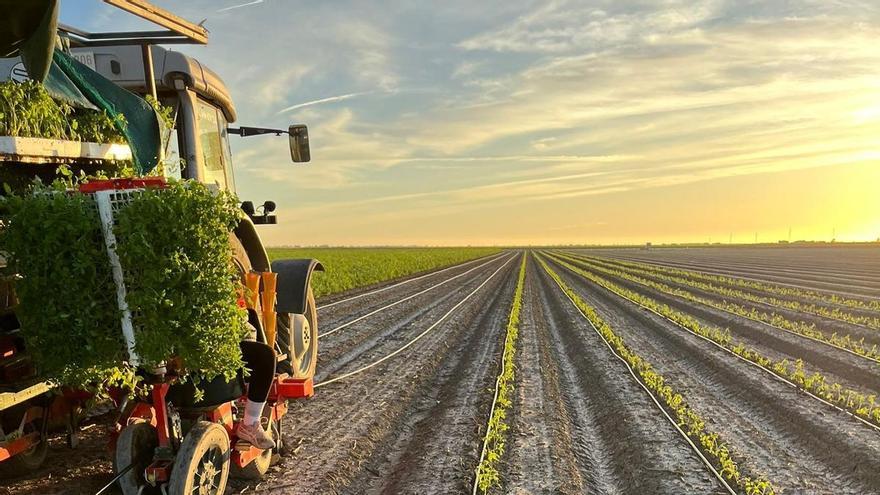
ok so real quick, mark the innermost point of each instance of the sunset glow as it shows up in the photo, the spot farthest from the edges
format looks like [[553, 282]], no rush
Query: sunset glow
[[555, 122]]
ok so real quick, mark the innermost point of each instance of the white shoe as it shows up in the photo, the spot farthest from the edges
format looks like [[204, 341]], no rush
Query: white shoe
[[255, 435]]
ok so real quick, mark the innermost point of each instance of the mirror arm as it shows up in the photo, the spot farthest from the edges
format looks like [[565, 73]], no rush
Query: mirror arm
[[254, 131]]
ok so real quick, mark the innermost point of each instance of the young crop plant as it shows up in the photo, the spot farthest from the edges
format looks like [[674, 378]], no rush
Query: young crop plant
[[710, 443], [349, 268], [487, 474], [27, 110], [814, 383], [181, 286], [721, 285], [845, 342]]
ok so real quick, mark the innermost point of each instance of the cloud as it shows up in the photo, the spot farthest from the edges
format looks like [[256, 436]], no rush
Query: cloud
[[329, 99], [233, 7], [544, 103]]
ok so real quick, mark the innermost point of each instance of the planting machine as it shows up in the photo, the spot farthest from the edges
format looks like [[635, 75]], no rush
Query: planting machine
[[167, 442]]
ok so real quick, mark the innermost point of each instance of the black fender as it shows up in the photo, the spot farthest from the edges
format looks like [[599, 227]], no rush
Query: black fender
[[294, 276], [253, 246]]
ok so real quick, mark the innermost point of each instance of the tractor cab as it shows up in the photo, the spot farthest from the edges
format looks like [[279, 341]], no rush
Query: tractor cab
[[197, 147]]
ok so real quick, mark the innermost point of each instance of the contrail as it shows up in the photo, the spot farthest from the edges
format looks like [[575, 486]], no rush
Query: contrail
[[224, 9], [323, 100]]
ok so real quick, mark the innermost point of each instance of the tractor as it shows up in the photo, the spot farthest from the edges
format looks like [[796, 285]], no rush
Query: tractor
[[168, 442]]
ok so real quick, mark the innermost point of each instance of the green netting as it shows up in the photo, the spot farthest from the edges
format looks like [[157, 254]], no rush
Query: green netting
[[139, 124], [27, 28]]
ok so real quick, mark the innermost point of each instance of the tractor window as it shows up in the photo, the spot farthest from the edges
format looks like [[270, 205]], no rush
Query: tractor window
[[172, 164], [227, 152], [212, 146]]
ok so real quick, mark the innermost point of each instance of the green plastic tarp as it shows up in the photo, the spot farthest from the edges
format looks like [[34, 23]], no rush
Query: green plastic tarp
[[27, 28], [140, 124]]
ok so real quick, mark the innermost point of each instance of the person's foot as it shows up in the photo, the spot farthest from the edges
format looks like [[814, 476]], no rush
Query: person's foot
[[255, 435]]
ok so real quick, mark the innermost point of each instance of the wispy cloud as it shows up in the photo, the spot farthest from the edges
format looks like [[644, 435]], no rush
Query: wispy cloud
[[329, 99], [233, 7], [560, 105]]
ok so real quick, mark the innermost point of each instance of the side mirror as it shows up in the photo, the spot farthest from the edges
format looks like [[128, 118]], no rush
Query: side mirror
[[299, 143]]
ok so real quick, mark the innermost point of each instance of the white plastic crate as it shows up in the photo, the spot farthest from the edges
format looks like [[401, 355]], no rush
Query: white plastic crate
[[109, 203]]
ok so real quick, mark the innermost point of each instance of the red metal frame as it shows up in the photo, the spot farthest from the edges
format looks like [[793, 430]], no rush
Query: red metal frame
[[19, 445], [156, 413], [23, 442], [116, 184]]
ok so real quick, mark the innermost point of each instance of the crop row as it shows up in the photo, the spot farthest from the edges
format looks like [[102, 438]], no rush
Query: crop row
[[348, 268], [487, 474], [864, 406], [695, 426], [809, 330], [691, 277]]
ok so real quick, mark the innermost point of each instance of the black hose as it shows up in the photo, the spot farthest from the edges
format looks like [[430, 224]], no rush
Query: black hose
[[114, 480]]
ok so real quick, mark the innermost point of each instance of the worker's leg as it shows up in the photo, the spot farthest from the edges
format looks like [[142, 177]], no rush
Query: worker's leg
[[259, 359]]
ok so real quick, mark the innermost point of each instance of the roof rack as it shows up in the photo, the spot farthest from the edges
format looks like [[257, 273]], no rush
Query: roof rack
[[178, 31]]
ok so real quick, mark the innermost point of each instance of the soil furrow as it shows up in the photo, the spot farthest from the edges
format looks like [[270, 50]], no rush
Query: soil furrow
[[437, 444], [760, 293], [843, 367], [342, 312], [801, 444], [860, 263], [621, 443], [840, 286], [342, 426], [365, 339]]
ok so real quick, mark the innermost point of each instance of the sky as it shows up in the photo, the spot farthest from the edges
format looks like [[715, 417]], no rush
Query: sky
[[505, 122]]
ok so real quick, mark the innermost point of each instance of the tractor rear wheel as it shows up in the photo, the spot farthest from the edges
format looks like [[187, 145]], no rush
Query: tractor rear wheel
[[201, 466], [298, 338]]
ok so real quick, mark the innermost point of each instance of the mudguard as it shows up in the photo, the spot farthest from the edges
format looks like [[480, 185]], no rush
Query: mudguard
[[293, 283], [253, 246]]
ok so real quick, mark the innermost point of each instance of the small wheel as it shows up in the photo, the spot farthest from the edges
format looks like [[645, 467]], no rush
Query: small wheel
[[201, 466], [31, 459], [298, 338], [255, 469], [136, 444]]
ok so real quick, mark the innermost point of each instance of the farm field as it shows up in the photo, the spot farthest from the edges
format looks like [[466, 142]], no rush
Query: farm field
[[349, 268], [593, 371]]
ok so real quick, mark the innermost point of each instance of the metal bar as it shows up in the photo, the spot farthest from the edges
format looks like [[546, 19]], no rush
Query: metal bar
[[156, 41], [140, 35], [149, 74], [163, 18], [130, 34], [9, 399], [72, 30], [159, 391]]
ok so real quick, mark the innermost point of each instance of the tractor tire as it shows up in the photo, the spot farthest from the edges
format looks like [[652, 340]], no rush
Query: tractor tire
[[136, 444], [201, 465], [297, 336]]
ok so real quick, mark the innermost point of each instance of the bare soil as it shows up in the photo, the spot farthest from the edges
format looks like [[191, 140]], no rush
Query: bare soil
[[581, 423], [801, 444]]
